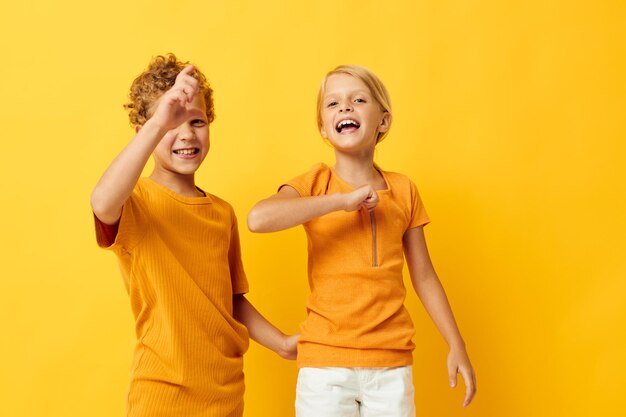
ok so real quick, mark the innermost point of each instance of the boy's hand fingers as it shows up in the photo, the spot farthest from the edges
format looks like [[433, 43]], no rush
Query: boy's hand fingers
[[290, 349], [175, 97], [189, 93], [188, 70], [190, 87], [181, 98], [187, 82]]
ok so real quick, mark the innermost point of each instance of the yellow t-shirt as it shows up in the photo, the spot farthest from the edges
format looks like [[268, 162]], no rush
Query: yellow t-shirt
[[181, 263], [356, 314]]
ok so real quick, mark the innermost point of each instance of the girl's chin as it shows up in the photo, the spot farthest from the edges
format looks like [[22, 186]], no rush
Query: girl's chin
[[351, 144]]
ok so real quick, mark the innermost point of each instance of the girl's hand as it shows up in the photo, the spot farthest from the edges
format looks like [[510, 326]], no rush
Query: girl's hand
[[171, 108], [289, 348], [362, 197], [458, 362]]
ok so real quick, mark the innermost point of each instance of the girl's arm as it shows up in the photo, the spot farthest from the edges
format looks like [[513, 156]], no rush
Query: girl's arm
[[119, 179], [287, 209], [433, 297], [262, 331]]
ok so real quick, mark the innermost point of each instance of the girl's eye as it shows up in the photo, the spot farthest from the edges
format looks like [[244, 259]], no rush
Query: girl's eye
[[360, 100], [331, 104]]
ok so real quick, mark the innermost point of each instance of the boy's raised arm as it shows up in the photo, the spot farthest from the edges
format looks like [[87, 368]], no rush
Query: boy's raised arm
[[287, 209], [119, 179]]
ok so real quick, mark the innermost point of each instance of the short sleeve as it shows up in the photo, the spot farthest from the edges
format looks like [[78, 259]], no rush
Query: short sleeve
[[105, 233], [419, 217], [129, 229], [311, 183], [237, 273]]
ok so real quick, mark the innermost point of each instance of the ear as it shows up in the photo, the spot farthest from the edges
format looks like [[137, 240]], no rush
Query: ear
[[385, 122], [138, 128], [323, 132]]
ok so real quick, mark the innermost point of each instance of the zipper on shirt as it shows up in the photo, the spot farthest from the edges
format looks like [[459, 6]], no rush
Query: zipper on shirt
[[373, 225]]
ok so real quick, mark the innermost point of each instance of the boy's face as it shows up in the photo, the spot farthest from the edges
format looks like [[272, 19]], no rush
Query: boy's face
[[182, 149], [351, 116]]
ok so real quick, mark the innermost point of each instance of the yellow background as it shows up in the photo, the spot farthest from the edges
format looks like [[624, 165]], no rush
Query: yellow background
[[509, 115]]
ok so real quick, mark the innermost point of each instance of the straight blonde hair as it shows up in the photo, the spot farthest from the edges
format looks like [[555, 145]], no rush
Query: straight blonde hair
[[376, 87]]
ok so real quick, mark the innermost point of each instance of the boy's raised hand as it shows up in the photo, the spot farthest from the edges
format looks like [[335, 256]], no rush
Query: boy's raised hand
[[171, 106], [363, 197]]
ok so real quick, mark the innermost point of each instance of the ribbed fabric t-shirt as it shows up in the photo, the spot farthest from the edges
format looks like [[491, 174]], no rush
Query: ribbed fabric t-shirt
[[181, 264], [356, 315]]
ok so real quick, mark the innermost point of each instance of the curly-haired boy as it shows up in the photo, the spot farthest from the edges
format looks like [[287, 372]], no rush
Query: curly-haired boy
[[178, 249]]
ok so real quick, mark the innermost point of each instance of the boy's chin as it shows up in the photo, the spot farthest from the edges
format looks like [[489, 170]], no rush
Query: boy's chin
[[180, 170], [187, 166], [187, 170]]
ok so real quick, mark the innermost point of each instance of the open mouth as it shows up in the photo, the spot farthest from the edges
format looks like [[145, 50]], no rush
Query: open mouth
[[186, 151], [347, 126]]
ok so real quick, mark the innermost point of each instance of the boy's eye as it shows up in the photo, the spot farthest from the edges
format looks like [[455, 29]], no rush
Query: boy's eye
[[198, 122]]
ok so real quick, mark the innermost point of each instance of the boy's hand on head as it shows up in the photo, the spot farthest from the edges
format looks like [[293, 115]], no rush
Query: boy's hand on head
[[363, 197], [171, 107], [458, 362]]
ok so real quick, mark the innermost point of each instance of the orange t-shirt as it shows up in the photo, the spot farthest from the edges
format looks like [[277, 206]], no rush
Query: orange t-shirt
[[356, 314], [181, 264]]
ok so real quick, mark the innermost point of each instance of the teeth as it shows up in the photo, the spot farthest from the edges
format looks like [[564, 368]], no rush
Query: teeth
[[347, 122], [185, 151]]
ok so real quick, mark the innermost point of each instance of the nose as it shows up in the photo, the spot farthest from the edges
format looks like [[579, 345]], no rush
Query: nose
[[185, 132], [346, 106]]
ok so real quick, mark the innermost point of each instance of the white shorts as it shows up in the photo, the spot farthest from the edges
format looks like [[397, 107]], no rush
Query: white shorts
[[355, 392]]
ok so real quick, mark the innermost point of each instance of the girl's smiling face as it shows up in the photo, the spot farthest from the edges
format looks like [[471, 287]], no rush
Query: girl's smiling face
[[351, 116]]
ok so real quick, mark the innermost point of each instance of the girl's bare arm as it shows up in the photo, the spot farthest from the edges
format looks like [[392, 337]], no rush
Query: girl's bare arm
[[287, 209], [433, 297]]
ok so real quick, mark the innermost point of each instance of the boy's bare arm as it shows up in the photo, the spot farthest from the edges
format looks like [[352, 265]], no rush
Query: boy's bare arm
[[262, 331], [433, 297], [287, 209], [119, 179]]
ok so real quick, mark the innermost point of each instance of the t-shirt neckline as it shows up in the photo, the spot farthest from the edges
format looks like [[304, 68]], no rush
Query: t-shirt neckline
[[351, 188], [206, 199]]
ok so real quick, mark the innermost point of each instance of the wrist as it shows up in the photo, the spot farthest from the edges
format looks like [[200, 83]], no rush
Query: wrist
[[457, 345], [281, 347], [341, 202], [155, 128]]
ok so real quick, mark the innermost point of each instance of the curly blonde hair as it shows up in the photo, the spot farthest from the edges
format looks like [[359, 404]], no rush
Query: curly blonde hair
[[156, 80]]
